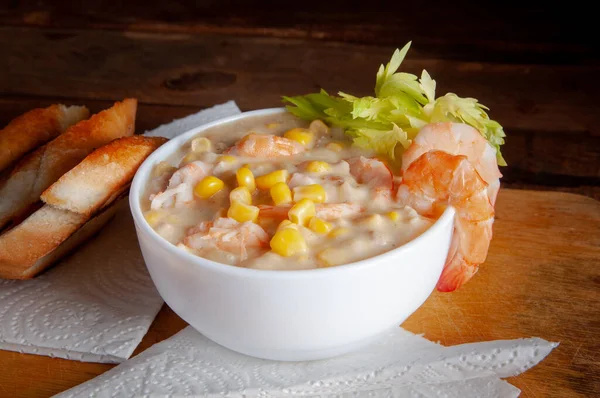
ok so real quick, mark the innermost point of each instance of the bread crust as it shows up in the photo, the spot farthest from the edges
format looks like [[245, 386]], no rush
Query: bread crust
[[87, 186], [37, 171], [36, 237], [75, 207], [34, 128], [91, 227]]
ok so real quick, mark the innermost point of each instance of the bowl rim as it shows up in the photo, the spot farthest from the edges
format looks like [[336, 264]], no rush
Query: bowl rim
[[168, 148]]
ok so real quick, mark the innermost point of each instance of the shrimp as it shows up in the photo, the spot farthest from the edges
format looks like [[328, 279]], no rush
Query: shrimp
[[458, 139], [181, 186], [265, 145], [437, 179], [373, 173], [227, 235], [325, 211]]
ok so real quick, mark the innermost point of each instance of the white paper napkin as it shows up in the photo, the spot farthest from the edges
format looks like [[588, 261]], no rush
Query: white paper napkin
[[97, 304], [189, 122], [399, 364]]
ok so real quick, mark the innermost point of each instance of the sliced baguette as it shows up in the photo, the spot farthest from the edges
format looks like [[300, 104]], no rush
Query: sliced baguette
[[34, 128], [37, 171], [36, 237], [50, 232], [80, 236], [84, 188]]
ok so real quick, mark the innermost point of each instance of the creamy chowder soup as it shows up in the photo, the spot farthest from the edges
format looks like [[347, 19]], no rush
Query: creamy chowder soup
[[278, 193]]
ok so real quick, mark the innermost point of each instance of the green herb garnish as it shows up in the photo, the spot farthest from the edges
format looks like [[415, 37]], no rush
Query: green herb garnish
[[402, 105]]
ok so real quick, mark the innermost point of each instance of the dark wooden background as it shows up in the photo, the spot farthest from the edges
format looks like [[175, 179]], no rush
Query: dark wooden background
[[535, 65]]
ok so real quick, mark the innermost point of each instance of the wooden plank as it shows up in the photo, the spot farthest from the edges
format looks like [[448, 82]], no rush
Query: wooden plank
[[537, 160], [503, 33], [202, 70], [540, 279]]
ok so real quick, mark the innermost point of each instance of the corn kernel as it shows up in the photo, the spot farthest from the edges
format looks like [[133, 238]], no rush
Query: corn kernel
[[242, 212], [335, 146], [299, 135], [153, 217], [318, 127], [327, 258], [273, 125], [302, 212], [337, 232], [372, 220], [245, 178], [281, 194], [227, 159], [208, 187], [393, 215], [189, 158], [240, 194], [162, 168], [201, 144], [318, 166], [268, 180], [288, 242], [319, 226], [287, 224], [314, 192]]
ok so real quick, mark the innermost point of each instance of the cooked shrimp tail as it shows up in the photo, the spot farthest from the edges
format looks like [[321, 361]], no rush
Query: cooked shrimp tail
[[458, 139], [459, 270], [436, 180]]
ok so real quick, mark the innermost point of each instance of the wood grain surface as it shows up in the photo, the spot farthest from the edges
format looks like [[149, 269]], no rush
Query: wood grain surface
[[535, 66], [551, 142], [499, 31], [542, 279]]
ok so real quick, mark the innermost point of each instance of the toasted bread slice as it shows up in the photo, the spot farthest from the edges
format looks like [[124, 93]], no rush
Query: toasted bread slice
[[34, 128], [87, 230], [34, 238], [45, 237], [84, 188], [99, 181], [37, 171]]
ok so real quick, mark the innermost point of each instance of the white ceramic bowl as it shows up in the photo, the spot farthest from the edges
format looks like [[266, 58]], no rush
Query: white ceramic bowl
[[289, 315]]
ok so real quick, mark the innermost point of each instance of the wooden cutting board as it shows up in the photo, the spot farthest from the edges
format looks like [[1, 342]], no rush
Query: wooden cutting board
[[542, 278]]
